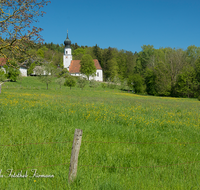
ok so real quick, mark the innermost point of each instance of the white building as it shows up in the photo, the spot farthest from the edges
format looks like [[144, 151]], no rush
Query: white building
[[73, 66]]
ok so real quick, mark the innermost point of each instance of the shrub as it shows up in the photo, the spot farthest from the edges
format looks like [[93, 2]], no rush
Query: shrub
[[2, 75], [199, 97], [93, 83], [103, 85], [70, 82], [81, 82]]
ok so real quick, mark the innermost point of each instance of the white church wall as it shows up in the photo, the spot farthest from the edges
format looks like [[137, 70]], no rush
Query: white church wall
[[23, 71], [99, 75]]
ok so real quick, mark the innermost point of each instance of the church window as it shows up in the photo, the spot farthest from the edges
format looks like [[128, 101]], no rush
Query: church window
[[66, 52], [97, 74]]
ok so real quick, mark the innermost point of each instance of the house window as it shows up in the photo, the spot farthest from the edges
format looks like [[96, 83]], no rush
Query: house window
[[97, 74]]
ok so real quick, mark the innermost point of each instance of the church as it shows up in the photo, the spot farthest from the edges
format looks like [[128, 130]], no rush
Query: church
[[73, 66]]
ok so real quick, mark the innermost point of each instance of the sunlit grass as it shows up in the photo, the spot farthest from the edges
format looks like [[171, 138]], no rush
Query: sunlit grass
[[31, 114]]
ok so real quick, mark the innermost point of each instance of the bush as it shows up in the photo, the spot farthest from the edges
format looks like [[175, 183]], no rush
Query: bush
[[93, 83], [199, 97], [70, 82], [2, 75], [13, 74], [81, 82], [103, 85]]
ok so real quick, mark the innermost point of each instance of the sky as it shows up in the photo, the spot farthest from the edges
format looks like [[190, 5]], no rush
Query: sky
[[123, 24]]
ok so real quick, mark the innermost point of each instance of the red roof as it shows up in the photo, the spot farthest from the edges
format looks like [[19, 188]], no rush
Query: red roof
[[75, 66], [2, 61]]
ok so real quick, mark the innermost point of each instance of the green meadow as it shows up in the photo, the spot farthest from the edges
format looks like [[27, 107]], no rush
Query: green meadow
[[157, 139]]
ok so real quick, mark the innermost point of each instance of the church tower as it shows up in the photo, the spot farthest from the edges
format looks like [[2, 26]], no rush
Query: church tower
[[67, 57]]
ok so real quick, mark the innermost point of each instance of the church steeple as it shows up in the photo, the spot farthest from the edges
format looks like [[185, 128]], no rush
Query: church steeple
[[67, 57]]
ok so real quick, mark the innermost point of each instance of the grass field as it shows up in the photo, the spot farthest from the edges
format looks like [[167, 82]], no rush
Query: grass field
[[165, 136]]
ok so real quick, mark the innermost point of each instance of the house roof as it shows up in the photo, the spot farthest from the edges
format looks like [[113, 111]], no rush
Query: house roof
[[75, 66], [2, 61]]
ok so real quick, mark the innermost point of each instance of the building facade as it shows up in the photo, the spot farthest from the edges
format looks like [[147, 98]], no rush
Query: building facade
[[73, 66]]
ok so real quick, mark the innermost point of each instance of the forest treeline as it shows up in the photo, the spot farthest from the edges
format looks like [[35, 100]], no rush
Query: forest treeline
[[159, 72]]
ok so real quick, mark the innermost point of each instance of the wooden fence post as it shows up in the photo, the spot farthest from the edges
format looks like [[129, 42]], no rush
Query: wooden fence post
[[74, 155]]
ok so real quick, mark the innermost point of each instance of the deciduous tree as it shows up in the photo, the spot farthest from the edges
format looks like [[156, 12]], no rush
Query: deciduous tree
[[70, 82], [16, 24], [87, 66]]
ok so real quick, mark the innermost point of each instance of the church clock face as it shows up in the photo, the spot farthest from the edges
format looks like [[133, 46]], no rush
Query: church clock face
[[66, 57]]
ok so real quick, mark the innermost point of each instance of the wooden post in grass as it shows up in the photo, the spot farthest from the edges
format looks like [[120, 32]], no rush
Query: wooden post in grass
[[74, 155]]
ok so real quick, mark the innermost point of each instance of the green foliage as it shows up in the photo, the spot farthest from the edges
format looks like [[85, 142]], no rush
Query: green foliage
[[124, 84], [13, 74], [197, 69], [78, 53], [199, 97], [93, 83], [186, 84], [87, 66], [137, 83], [60, 81], [2, 75], [81, 82], [110, 84], [12, 71], [62, 72], [150, 81], [46, 73], [70, 81], [40, 53], [30, 69], [112, 68], [103, 85]]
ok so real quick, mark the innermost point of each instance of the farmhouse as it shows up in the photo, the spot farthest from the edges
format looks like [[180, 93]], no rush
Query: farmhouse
[[22, 69], [73, 66]]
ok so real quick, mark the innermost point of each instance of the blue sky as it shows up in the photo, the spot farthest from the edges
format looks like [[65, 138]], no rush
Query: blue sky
[[127, 24]]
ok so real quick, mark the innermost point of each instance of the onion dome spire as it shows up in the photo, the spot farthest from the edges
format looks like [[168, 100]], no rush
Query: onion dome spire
[[67, 42]]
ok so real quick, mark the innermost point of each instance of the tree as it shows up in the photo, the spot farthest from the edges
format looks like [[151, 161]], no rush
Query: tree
[[12, 72], [78, 53], [87, 66], [137, 82], [62, 73], [16, 25], [46, 73], [30, 69], [186, 83], [112, 68], [81, 82], [70, 82], [60, 81], [176, 59]]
